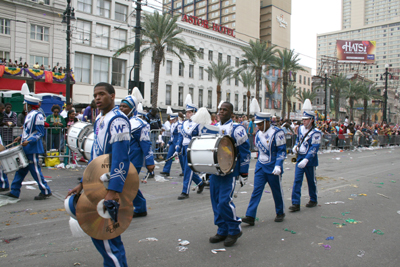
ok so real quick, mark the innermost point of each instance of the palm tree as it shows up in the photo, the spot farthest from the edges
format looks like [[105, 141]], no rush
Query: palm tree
[[256, 56], [368, 92], [220, 72], [337, 85], [303, 95], [291, 91], [352, 93], [287, 61], [248, 78], [159, 32]]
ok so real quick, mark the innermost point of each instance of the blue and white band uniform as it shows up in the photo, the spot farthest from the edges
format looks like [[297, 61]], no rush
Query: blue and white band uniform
[[308, 150], [3, 177], [33, 132], [222, 188], [140, 153], [188, 130], [173, 142], [271, 146], [112, 136]]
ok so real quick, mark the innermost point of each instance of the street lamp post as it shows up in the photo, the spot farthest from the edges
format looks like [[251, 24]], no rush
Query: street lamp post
[[327, 101], [136, 64], [68, 14], [385, 95]]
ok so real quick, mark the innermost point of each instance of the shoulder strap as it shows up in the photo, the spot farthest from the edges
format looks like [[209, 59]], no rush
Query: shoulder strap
[[304, 137]]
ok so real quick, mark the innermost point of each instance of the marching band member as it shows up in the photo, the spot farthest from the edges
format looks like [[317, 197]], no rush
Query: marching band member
[[271, 144], [175, 131], [189, 129], [307, 145], [4, 185], [111, 136], [31, 141], [222, 187], [140, 145]]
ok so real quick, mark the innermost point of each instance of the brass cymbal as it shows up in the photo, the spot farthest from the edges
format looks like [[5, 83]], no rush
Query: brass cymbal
[[98, 227], [2, 148], [94, 188]]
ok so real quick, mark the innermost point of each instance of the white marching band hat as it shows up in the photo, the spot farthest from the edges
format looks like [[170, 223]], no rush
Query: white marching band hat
[[262, 116], [308, 113], [173, 115], [30, 100], [134, 99], [189, 104]]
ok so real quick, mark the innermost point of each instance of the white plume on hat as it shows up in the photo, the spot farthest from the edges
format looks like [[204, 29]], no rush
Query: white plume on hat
[[137, 94], [254, 106], [24, 89], [202, 117], [188, 100], [169, 110], [307, 105], [140, 107], [220, 104]]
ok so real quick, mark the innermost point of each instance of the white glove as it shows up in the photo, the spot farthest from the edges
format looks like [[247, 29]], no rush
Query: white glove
[[105, 177], [175, 154], [295, 149], [302, 163], [277, 170]]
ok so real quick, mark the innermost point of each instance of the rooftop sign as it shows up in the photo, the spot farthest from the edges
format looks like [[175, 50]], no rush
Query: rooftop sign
[[204, 23]]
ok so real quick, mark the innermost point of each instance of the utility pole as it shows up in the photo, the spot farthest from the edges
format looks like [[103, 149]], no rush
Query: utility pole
[[68, 14]]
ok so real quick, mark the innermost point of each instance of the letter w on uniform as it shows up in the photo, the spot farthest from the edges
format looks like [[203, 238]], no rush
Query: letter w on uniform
[[241, 133], [119, 128]]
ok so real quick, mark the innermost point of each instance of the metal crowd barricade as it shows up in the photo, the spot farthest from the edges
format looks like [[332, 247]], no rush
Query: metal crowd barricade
[[159, 144]]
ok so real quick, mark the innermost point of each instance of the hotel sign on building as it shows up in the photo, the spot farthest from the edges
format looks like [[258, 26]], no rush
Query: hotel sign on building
[[204, 23], [356, 51]]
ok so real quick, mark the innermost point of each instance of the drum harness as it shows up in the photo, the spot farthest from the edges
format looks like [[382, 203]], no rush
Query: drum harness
[[294, 159]]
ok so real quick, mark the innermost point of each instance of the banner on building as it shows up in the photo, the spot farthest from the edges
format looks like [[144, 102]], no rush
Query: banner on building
[[356, 51]]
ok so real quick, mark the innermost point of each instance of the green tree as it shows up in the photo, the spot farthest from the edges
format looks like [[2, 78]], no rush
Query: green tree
[[291, 91], [352, 93], [303, 95], [248, 78], [220, 71], [368, 92], [287, 61], [337, 84], [256, 56], [159, 32]]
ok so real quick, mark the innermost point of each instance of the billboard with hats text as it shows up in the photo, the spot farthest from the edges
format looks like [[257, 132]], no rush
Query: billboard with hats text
[[356, 51]]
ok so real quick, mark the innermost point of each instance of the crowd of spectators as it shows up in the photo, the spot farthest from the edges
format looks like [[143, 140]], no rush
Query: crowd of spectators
[[14, 64]]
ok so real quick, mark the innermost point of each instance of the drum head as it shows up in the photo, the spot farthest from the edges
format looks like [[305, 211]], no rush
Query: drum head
[[226, 154]]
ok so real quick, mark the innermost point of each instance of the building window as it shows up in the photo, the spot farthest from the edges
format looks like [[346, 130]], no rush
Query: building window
[[5, 26], [118, 72], [237, 62], [103, 8], [236, 82], [40, 33], [121, 12], [244, 103], [181, 69], [209, 99], [317, 101], [85, 6], [219, 57], [40, 60], [82, 67], [228, 60], [83, 31], [209, 76], [201, 73], [228, 97], [210, 55], [169, 67], [120, 38], [308, 82], [191, 71], [200, 98], [180, 96], [299, 79], [304, 80], [46, 2], [236, 102], [100, 69], [4, 54], [168, 95], [102, 34], [153, 65], [294, 107], [191, 93], [228, 81], [201, 53], [299, 106]]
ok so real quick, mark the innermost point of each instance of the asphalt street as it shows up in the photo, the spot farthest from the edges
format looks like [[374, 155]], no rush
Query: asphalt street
[[364, 184]]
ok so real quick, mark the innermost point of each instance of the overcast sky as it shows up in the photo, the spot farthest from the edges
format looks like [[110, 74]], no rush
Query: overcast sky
[[309, 18]]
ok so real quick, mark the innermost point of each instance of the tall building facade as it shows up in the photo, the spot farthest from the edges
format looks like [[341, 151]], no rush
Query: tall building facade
[[268, 20]]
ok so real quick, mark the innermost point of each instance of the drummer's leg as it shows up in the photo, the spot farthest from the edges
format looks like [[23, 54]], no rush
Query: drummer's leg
[[17, 182], [139, 203], [112, 250], [36, 173], [3, 180], [167, 166]]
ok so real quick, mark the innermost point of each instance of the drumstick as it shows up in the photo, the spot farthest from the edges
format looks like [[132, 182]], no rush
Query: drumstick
[[168, 159], [11, 143], [145, 178]]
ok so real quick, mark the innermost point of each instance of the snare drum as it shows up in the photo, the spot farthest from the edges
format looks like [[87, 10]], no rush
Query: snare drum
[[76, 133], [13, 159], [87, 144], [212, 154]]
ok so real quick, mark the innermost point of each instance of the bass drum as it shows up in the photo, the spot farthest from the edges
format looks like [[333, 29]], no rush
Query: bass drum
[[76, 134], [87, 145], [212, 154]]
